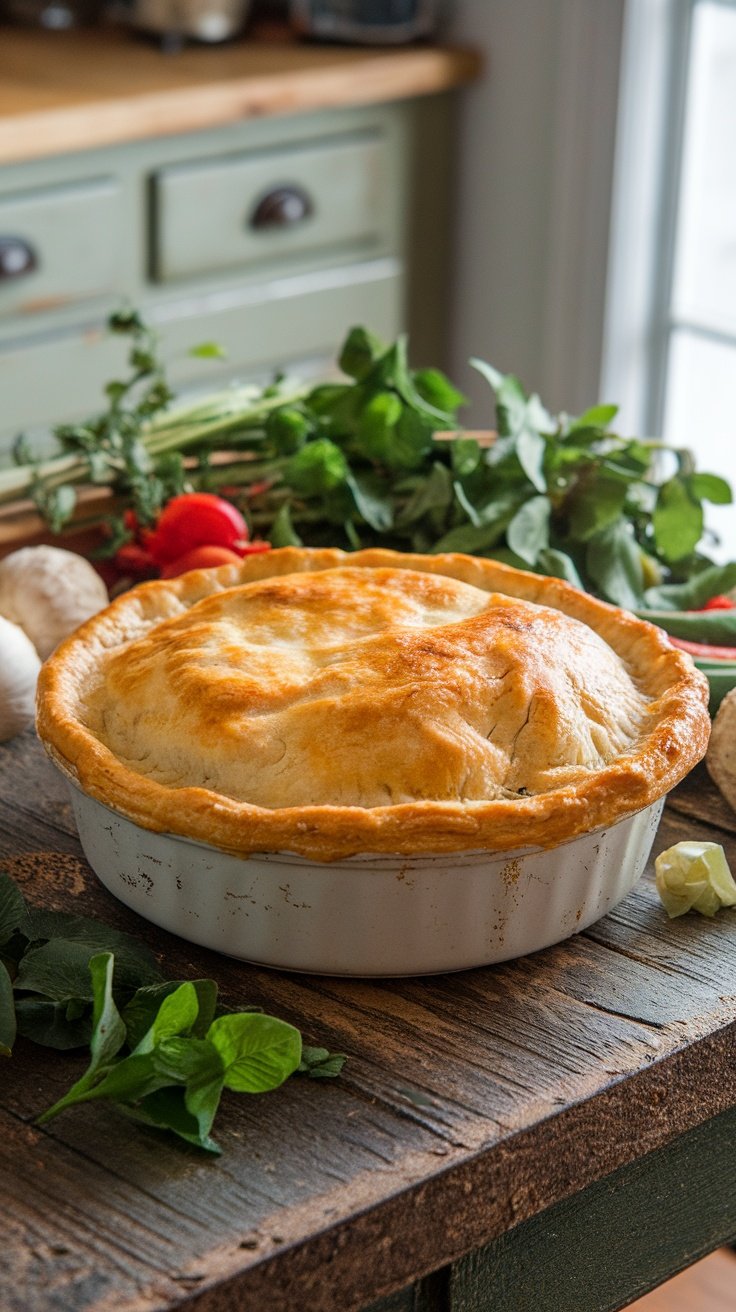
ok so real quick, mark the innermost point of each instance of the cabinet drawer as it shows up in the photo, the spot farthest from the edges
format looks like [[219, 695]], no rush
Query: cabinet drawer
[[58, 245], [268, 206], [261, 328]]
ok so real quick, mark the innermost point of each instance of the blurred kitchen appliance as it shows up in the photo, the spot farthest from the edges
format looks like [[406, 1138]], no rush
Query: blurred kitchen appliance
[[369, 22], [176, 21]]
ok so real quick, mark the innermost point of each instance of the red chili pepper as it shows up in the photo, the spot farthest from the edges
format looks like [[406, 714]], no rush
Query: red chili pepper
[[196, 519], [720, 602], [704, 649], [256, 489]]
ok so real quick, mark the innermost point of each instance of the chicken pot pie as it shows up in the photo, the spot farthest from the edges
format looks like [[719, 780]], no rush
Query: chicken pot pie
[[326, 704]]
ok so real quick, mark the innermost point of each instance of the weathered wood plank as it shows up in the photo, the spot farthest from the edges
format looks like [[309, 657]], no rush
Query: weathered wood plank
[[699, 797], [470, 1103], [600, 1250]]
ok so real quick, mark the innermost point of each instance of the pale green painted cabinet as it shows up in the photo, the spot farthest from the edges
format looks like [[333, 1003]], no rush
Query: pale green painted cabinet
[[271, 237]]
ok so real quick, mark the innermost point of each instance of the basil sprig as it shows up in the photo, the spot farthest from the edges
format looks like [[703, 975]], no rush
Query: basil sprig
[[161, 1051]]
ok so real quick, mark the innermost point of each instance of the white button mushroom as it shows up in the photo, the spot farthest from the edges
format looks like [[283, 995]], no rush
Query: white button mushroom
[[19, 666], [49, 593]]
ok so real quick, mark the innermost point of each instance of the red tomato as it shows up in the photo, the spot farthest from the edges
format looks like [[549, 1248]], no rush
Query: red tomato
[[718, 603], [135, 560], [704, 650], [206, 557], [196, 519]]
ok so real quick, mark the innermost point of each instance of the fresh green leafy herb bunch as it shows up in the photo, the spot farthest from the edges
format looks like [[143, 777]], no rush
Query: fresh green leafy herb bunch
[[162, 1051], [367, 461]]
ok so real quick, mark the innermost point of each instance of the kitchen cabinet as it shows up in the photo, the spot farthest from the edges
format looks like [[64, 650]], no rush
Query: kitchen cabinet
[[306, 194]]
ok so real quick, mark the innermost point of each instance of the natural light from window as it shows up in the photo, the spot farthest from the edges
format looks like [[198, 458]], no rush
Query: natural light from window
[[699, 409]]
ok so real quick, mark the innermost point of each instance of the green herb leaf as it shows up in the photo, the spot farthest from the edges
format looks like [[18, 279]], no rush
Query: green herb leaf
[[177, 1014], [132, 957], [677, 520], [531, 448], [282, 532], [372, 500], [59, 970], [599, 505], [140, 1013], [54, 1024], [613, 561], [360, 351], [317, 468], [710, 487], [166, 1109], [434, 493], [528, 532], [258, 1052], [197, 1064], [8, 1026], [377, 427], [288, 428], [435, 388], [108, 1037], [12, 907], [108, 1030], [319, 1064], [465, 456], [558, 565], [598, 417]]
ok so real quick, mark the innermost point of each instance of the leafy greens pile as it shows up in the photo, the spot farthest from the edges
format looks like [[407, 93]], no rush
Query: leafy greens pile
[[367, 461], [160, 1050]]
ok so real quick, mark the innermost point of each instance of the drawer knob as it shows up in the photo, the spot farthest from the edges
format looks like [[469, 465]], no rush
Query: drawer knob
[[17, 258], [282, 208]]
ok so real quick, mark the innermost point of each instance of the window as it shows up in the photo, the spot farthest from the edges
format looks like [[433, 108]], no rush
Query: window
[[670, 336], [699, 384]]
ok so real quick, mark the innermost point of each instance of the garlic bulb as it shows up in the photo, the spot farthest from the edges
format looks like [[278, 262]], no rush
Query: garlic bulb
[[19, 666], [49, 593]]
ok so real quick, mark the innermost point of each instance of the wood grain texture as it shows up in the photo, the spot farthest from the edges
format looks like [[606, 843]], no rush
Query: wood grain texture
[[598, 1251], [470, 1104], [66, 91]]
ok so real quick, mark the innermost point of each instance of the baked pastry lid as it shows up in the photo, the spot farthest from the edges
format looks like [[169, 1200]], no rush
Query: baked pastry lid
[[674, 739]]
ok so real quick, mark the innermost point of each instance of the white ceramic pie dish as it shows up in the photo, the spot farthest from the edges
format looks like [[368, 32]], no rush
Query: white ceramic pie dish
[[366, 915]]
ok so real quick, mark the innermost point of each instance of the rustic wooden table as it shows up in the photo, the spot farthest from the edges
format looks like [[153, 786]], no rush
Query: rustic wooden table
[[558, 1133]]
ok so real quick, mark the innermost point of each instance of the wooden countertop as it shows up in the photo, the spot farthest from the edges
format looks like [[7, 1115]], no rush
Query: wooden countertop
[[67, 91], [581, 1079]]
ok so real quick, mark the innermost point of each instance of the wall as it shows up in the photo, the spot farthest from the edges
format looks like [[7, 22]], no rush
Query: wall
[[534, 177]]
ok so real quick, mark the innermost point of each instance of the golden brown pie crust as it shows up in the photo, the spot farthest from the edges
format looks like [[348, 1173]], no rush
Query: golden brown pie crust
[[327, 704]]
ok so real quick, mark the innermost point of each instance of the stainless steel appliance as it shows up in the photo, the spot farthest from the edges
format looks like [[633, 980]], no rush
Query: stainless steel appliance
[[379, 22]]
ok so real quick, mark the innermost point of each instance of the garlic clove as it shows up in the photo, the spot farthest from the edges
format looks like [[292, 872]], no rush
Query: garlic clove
[[49, 592], [19, 667]]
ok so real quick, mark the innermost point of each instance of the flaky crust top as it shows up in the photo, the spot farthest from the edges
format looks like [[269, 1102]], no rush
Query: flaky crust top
[[327, 704]]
